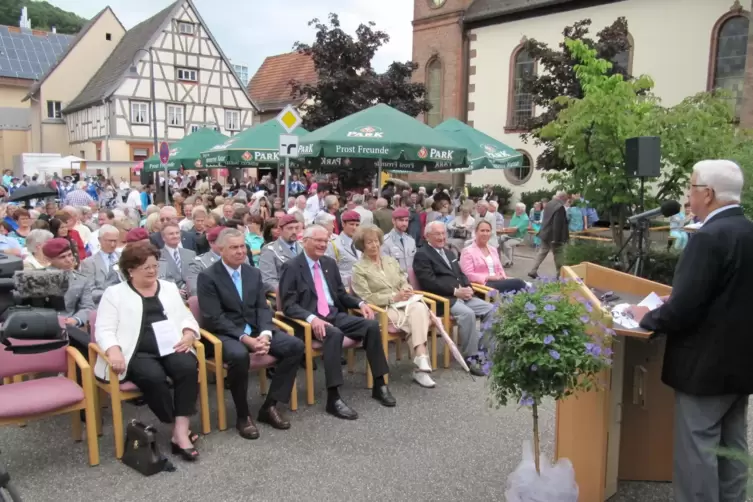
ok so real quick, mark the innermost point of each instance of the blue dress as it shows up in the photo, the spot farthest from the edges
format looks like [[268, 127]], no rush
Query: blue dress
[[676, 223], [535, 218]]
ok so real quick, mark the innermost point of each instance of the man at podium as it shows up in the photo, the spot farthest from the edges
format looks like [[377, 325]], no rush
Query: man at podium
[[707, 321]]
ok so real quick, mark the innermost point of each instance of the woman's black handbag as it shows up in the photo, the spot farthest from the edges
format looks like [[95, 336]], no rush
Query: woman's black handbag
[[141, 451]]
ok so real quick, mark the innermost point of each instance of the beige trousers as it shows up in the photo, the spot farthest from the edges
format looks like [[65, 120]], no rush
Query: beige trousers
[[415, 321]]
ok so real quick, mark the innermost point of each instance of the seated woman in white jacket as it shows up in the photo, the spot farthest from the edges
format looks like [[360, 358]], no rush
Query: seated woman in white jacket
[[133, 319]]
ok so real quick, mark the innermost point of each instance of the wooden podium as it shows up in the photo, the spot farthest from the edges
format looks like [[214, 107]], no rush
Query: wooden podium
[[623, 432]]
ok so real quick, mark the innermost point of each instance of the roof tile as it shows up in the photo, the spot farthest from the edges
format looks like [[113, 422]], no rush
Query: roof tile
[[270, 87]]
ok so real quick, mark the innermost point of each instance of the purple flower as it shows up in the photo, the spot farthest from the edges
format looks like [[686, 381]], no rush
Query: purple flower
[[485, 367], [555, 355], [534, 367], [549, 307], [493, 293], [531, 315], [593, 349], [486, 326], [584, 319], [539, 320], [548, 339], [607, 352], [526, 400], [609, 332], [530, 307], [588, 306]]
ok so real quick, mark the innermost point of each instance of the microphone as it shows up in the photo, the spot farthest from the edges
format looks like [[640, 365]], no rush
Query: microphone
[[668, 208], [41, 283]]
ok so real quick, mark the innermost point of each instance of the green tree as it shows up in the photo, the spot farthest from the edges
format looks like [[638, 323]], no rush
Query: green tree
[[43, 16], [346, 81]]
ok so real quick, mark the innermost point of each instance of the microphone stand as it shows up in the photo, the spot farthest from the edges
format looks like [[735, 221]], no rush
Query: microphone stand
[[638, 230]]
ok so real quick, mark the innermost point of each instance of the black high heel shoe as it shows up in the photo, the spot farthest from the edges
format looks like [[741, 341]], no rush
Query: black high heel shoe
[[187, 454]]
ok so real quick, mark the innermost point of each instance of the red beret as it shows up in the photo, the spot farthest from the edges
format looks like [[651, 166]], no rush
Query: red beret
[[351, 216], [136, 235], [214, 232], [287, 220], [400, 212], [55, 247]]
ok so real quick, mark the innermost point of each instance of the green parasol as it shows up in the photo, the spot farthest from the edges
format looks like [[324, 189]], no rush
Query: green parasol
[[256, 146], [484, 152], [186, 152], [380, 135]]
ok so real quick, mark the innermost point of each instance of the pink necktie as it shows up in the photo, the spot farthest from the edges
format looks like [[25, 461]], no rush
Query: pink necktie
[[321, 297]]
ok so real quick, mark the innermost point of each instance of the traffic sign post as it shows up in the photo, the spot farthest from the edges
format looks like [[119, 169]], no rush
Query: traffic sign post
[[289, 119], [164, 158]]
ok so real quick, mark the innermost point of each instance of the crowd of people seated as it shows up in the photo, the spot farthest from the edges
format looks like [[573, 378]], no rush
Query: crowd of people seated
[[248, 258]]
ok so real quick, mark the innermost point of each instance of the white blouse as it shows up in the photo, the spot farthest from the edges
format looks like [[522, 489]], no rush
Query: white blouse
[[489, 263]]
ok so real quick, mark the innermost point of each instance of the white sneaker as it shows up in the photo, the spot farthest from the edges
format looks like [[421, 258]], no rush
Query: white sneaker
[[423, 379], [423, 364]]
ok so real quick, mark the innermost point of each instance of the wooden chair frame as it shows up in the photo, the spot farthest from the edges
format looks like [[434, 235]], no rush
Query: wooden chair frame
[[117, 396], [88, 404], [398, 338], [217, 366]]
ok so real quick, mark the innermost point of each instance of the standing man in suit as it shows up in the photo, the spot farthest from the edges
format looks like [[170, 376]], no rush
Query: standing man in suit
[[206, 260], [169, 215], [554, 233], [102, 267], [175, 261], [343, 250], [397, 243], [438, 271], [707, 320], [285, 248], [234, 309], [311, 290]]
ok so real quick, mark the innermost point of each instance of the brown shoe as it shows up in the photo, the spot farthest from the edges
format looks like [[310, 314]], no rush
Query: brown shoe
[[273, 417], [247, 428]]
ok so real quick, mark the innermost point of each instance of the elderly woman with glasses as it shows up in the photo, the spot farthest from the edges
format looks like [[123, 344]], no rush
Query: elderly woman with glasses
[[134, 319], [379, 281]]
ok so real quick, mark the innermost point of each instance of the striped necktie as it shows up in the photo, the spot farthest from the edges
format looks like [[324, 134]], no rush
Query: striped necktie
[[176, 257]]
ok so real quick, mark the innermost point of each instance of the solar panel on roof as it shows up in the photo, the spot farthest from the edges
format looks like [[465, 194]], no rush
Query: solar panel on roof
[[29, 56]]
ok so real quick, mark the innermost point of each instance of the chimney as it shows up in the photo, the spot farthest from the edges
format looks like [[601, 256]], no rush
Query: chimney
[[24, 22]]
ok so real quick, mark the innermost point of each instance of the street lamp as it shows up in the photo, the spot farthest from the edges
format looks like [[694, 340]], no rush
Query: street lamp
[[134, 72]]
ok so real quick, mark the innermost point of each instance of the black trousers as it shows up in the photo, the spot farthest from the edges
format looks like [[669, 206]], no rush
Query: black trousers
[[288, 350], [505, 285], [149, 373], [356, 328]]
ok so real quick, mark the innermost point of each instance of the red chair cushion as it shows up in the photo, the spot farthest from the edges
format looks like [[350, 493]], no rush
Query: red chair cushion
[[38, 396]]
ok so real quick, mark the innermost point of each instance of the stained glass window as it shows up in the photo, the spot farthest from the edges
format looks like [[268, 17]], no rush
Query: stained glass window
[[522, 103], [729, 62]]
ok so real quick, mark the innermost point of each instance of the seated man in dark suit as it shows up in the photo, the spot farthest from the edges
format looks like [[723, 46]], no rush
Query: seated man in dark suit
[[233, 308], [169, 215], [438, 271], [311, 290]]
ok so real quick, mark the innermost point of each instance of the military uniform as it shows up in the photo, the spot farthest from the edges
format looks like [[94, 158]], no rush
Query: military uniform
[[79, 304], [401, 247], [345, 254], [271, 259], [201, 262]]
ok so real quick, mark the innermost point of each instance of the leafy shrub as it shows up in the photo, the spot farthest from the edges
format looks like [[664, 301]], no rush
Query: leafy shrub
[[528, 198]]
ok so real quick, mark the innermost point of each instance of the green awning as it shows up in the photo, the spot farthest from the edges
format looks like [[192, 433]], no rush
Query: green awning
[[382, 133], [186, 152], [484, 152], [256, 146]]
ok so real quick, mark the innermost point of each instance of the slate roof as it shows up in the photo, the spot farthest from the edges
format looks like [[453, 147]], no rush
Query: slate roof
[[109, 75], [28, 54], [71, 45], [270, 87], [486, 9]]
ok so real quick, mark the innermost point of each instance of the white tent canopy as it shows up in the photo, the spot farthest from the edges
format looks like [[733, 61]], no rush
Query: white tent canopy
[[57, 165]]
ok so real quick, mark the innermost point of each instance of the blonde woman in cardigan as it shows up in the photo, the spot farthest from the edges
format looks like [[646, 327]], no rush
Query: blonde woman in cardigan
[[379, 281]]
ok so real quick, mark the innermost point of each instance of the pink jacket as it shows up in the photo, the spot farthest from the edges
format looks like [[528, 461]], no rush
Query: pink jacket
[[473, 264]]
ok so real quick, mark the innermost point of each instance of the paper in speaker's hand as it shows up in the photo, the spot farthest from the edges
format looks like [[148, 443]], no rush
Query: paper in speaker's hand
[[167, 337], [652, 301]]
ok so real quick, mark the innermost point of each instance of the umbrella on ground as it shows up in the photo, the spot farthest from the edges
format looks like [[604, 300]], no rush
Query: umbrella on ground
[[186, 152], [254, 147], [450, 344], [484, 152], [27, 193], [382, 137]]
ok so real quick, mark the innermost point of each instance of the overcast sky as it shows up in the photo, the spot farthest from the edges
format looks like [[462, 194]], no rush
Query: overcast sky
[[250, 30]]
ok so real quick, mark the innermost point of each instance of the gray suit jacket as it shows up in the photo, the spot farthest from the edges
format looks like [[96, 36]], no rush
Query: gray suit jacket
[[345, 255], [78, 298], [96, 268], [271, 259], [168, 270], [200, 263], [554, 227]]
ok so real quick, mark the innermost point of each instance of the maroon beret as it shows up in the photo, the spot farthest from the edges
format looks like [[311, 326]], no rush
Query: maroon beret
[[136, 235], [400, 212], [287, 220], [351, 216], [214, 232], [55, 247]]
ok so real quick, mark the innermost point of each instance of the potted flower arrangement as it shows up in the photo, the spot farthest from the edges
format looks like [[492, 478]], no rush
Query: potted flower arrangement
[[546, 341]]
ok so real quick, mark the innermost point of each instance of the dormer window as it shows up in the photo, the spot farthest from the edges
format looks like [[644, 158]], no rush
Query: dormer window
[[186, 28], [188, 75]]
